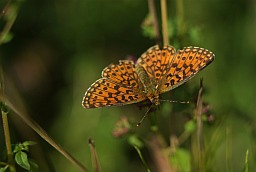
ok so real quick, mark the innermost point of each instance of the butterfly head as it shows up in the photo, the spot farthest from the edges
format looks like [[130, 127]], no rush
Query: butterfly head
[[154, 98], [156, 101]]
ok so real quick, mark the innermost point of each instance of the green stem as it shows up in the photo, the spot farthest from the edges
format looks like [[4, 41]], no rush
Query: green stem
[[200, 128], [94, 156], [4, 113], [152, 10], [164, 22], [9, 23], [180, 17], [7, 140], [142, 159], [228, 152], [246, 161]]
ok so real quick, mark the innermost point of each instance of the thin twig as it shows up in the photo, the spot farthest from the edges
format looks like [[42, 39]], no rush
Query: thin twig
[[200, 127], [142, 158], [180, 17], [94, 156], [4, 114], [152, 11], [164, 22], [8, 24], [228, 152], [5, 8], [157, 148], [7, 134], [8, 139], [246, 161]]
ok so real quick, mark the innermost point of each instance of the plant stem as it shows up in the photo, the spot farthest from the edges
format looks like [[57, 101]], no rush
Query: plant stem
[[152, 10], [8, 140], [94, 156], [246, 161], [4, 114], [142, 159], [157, 148], [228, 152], [164, 22], [200, 128], [180, 17], [10, 22]]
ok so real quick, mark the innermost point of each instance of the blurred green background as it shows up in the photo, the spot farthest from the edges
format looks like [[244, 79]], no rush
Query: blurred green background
[[59, 48]]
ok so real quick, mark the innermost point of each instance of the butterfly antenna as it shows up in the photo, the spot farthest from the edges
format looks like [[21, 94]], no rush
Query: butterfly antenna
[[175, 101], [138, 124]]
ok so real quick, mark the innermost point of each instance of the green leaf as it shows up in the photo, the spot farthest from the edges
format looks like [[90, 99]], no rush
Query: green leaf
[[148, 31], [21, 159], [135, 141], [6, 38], [3, 169], [147, 27], [194, 34], [29, 143], [190, 126], [23, 146], [181, 159], [17, 148]]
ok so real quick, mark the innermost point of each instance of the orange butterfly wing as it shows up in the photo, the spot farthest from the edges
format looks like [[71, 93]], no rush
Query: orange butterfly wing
[[185, 64], [169, 69], [156, 61], [119, 85]]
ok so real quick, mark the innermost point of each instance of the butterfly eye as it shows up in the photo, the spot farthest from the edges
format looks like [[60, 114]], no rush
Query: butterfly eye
[[156, 100]]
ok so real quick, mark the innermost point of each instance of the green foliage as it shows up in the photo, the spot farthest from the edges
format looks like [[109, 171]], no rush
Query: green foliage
[[135, 141], [21, 159], [9, 15], [23, 146], [190, 126], [147, 27], [21, 155], [180, 158], [4, 168]]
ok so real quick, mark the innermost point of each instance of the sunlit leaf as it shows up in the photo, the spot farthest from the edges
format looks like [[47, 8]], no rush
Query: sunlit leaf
[[21, 159]]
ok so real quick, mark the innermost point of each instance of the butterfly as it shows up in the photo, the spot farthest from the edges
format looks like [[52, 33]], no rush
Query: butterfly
[[157, 71]]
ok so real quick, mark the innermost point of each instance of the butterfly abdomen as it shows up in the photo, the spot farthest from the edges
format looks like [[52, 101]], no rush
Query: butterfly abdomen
[[149, 85]]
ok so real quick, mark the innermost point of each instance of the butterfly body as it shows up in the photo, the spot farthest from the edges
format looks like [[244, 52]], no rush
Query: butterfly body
[[156, 71], [150, 87]]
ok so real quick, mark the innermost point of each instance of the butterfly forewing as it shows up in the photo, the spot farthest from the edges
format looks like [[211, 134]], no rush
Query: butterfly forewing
[[122, 73], [119, 85], [185, 64], [156, 61]]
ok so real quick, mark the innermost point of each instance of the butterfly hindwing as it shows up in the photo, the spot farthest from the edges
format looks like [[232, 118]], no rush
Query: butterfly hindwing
[[120, 85]]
